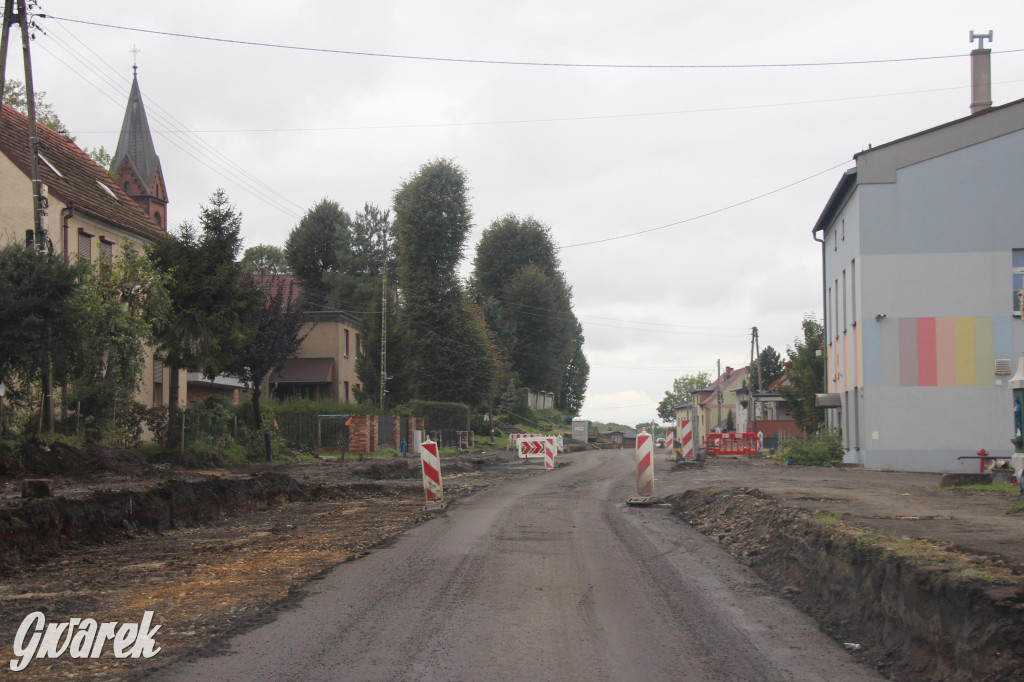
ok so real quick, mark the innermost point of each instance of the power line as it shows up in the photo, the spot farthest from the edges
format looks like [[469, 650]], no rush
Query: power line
[[208, 155], [708, 213], [576, 119], [506, 62]]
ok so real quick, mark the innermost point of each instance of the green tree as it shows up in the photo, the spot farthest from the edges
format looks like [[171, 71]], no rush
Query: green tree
[[372, 242], [575, 379], [453, 359], [527, 304], [313, 247], [682, 387], [211, 309], [123, 304], [771, 367], [506, 247], [275, 335], [16, 97], [102, 158], [806, 376], [40, 324], [262, 257]]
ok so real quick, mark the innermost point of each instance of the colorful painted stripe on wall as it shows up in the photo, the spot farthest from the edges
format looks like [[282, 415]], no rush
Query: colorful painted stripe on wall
[[950, 351]]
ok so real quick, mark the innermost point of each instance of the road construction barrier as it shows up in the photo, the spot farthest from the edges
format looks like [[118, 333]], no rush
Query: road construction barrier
[[514, 438], [550, 449], [431, 471], [644, 464], [686, 438], [732, 444], [670, 441], [539, 446]]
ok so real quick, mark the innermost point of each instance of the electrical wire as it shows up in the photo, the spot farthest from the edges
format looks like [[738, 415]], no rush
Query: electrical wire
[[506, 62], [197, 148], [706, 214], [576, 119]]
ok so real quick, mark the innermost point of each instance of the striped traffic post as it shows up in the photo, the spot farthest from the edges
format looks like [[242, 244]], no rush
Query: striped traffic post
[[644, 464], [670, 444], [686, 439], [431, 472], [550, 447]]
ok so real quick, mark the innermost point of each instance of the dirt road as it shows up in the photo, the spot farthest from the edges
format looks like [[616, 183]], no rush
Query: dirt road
[[548, 577]]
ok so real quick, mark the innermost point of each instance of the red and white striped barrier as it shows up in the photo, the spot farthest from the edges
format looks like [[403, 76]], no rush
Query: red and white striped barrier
[[732, 443], [539, 446], [431, 471], [686, 439], [644, 464], [670, 441]]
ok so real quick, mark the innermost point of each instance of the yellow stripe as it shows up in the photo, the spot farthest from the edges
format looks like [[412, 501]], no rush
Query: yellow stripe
[[965, 365]]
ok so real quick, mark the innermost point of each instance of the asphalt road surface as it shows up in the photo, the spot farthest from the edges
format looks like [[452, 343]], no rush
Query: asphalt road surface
[[550, 577]]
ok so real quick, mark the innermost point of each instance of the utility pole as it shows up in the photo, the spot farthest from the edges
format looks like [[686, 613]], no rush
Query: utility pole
[[40, 238], [718, 391], [383, 334], [755, 356]]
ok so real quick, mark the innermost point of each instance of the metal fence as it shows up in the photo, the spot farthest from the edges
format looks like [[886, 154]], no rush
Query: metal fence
[[451, 438]]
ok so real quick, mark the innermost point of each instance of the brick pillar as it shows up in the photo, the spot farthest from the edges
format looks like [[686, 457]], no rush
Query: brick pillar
[[363, 431]]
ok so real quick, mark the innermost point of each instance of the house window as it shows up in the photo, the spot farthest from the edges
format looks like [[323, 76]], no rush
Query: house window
[[85, 245], [346, 392], [843, 225], [158, 381], [106, 248], [845, 318], [853, 290], [359, 345], [346, 343], [1018, 279], [828, 314]]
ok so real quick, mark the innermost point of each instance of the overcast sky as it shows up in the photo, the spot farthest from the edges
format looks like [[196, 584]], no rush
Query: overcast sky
[[734, 163]]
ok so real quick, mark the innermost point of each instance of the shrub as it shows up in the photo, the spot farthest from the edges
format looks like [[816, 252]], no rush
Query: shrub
[[439, 415], [823, 449]]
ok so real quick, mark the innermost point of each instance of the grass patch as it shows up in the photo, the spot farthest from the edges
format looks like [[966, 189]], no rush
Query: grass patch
[[826, 518], [926, 554], [1017, 507], [986, 488]]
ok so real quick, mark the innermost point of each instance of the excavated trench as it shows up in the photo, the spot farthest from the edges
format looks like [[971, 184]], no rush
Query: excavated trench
[[915, 610]]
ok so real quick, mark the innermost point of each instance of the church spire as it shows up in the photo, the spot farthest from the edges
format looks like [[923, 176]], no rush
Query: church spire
[[136, 162]]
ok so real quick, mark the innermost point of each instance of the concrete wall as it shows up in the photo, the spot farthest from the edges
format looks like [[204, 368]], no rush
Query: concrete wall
[[927, 308]]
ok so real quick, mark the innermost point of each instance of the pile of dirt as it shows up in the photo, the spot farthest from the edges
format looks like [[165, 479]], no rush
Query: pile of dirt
[[914, 609], [60, 459]]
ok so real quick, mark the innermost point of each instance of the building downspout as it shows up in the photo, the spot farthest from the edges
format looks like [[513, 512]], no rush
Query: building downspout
[[824, 307], [66, 214]]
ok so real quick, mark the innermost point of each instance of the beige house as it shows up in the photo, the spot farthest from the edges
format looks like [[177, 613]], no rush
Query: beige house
[[325, 366], [89, 212]]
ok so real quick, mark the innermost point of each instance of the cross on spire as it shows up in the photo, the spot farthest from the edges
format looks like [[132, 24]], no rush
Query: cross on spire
[[135, 53]]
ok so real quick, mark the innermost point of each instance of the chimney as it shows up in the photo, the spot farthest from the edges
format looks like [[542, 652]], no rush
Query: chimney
[[981, 73]]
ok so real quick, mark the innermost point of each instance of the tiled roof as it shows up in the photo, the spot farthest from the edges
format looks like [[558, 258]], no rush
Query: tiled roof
[[281, 283], [81, 184]]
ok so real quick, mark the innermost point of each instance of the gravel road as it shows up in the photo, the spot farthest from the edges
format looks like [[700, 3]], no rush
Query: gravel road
[[549, 577]]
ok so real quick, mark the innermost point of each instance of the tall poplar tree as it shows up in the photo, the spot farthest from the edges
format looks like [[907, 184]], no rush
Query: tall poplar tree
[[453, 358]]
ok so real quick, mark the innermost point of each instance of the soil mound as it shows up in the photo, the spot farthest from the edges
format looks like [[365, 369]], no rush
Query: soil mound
[[60, 459], [916, 610]]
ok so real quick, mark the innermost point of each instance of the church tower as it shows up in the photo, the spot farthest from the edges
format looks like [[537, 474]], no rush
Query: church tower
[[136, 163]]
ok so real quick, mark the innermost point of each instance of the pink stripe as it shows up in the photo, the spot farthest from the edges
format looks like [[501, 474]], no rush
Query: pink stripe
[[926, 352]]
